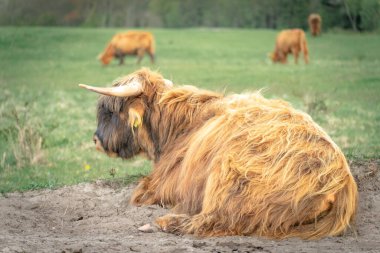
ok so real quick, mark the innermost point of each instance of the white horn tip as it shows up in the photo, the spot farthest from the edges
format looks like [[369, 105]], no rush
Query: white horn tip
[[87, 87], [83, 85]]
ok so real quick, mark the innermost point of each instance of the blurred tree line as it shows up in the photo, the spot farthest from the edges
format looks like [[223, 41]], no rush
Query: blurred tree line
[[276, 14]]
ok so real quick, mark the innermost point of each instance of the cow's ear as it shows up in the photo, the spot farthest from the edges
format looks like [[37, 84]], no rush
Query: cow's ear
[[135, 119], [135, 116]]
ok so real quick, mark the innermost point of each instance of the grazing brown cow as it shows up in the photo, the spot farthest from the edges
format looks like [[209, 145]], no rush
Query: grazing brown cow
[[227, 165], [290, 42], [129, 43], [315, 24]]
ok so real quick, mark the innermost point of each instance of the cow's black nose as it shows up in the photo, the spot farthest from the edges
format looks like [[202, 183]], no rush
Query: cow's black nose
[[94, 139]]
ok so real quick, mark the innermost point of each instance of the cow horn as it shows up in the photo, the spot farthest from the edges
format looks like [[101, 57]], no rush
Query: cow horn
[[131, 89]]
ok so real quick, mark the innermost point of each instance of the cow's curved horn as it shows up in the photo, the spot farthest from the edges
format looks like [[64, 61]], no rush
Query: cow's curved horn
[[131, 89]]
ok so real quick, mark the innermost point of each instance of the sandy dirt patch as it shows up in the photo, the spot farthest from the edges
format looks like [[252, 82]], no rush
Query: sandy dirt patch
[[97, 217]]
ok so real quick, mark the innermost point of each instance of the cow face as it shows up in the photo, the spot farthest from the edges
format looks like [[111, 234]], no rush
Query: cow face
[[119, 120], [274, 57], [121, 131], [105, 58], [120, 113], [108, 54], [277, 57]]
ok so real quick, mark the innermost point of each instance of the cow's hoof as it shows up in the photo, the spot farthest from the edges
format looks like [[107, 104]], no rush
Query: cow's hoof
[[172, 223]]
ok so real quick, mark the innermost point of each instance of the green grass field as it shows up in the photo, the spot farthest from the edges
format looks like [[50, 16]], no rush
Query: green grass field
[[47, 122]]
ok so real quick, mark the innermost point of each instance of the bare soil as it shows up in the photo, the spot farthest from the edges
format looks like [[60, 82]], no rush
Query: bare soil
[[97, 217]]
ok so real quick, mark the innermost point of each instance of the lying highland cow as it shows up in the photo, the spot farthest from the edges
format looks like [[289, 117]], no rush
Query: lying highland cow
[[129, 43], [227, 165]]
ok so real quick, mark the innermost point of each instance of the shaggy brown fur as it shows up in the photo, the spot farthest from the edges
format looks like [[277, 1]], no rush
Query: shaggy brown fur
[[129, 43], [290, 42], [315, 24], [229, 165]]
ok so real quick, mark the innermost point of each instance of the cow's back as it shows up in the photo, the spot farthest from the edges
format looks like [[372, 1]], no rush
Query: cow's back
[[263, 157], [288, 39], [130, 42]]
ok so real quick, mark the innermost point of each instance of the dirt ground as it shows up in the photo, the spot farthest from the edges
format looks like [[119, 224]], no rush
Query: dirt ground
[[97, 217]]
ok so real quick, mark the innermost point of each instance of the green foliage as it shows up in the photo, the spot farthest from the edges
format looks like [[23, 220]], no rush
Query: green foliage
[[41, 68], [276, 14], [370, 15]]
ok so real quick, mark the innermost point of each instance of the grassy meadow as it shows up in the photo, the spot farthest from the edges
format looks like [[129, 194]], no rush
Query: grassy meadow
[[47, 122]]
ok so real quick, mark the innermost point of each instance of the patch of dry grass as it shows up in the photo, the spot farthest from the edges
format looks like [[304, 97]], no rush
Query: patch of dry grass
[[23, 135]]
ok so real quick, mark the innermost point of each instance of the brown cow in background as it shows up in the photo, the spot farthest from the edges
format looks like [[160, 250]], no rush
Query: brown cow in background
[[226, 165], [315, 23], [129, 43], [290, 42]]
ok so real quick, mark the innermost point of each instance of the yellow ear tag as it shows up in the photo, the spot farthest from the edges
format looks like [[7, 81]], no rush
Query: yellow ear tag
[[137, 122], [135, 119]]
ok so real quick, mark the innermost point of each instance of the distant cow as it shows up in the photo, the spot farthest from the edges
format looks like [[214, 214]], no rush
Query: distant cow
[[226, 165], [290, 42], [315, 24], [129, 43]]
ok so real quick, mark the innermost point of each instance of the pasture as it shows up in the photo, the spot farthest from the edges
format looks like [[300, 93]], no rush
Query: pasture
[[47, 122]]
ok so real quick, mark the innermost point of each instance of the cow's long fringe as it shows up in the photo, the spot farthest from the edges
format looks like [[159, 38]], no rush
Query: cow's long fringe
[[252, 166]]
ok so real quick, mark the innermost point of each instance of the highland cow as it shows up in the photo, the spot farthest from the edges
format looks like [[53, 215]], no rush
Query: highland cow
[[226, 165], [129, 43], [290, 42], [315, 24]]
